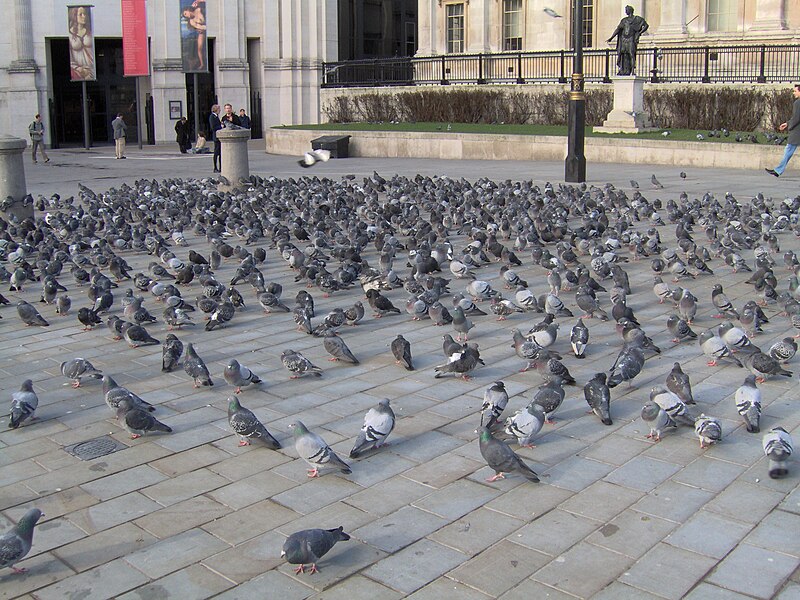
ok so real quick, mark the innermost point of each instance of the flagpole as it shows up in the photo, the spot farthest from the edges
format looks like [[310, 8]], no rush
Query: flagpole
[[86, 132]]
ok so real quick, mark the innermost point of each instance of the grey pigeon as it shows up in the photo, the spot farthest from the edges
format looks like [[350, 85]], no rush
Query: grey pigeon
[[657, 419], [589, 304], [137, 335], [678, 383], [63, 304], [171, 352], [195, 368], [461, 363], [527, 350], [722, 304], [247, 426], [495, 400], [354, 314], [502, 459], [17, 541], [579, 339], [526, 424], [708, 430], [598, 397], [401, 350], [136, 421], [762, 365], [378, 424], [299, 365], [778, 446], [674, 406], [748, 403], [77, 368], [313, 449], [784, 350], [308, 546], [29, 315], [461, 323], [550, 396], [714, 347], [23, 404], [734, 337], [114, 393], [335, 346], [680, 329], [239, 376]]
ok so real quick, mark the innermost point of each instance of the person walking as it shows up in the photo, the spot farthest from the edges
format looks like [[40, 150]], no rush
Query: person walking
[[36, 131], [244, 120], [793, 127], [182, 134], [120, 129], [214, 125]]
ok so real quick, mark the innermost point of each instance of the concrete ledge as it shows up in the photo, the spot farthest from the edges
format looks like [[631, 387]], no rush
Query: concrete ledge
[[472, 146]]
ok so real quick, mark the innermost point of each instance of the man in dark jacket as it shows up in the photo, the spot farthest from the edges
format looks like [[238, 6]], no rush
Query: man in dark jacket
[[793, 127], [214, 125], [182, 134]]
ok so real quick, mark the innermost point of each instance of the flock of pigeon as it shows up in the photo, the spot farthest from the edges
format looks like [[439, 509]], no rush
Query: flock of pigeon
[[436, 242]]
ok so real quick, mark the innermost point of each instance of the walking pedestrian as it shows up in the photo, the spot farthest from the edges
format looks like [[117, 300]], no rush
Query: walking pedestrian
[[214, 125], [36, 131], [793, 127], [120, 129]]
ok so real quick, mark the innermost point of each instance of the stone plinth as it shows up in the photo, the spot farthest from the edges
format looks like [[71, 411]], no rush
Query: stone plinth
[[235, 163], [628, 115], [12, 179]]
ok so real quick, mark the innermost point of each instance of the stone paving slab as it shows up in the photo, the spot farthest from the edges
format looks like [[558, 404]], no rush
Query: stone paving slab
[[193, 514]]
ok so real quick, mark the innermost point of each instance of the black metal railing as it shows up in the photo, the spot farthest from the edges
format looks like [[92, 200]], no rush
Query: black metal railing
[[695, 64]]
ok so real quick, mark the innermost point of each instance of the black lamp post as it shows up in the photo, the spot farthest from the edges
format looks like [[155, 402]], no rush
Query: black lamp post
[[575, 163]]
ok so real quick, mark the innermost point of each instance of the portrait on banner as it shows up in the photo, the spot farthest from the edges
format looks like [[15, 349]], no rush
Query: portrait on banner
[[82, 64], [194, 38]]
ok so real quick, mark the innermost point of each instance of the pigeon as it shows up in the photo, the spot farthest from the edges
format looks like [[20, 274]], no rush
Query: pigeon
[[628, 365], [380, 304], [579, 339], [401, 349], [589, 304], [171, 352], [195, 368], [17, 541], [656, 183], [680, 329], [77, 368], [239, 376], [526, 424], [778, 446], [762, 365], [461, 323], [670, 402], [464, 362], [114, 393], [678, 383], [313, 449], [354, 314], [23, 404], [335, 346], [378, 424], [527, 350], [502, 459], [550, 396], [734, 337], [708, 430], [598, 397], [657, 419], [309, 546], [299, 365], [247, 426], [29, 315], [784, 350], [722, 304], [88, 318], [748, 403], [480, 290], [63, 304], [503, 308], [311, 158], [714, 347], [495, 400], [551, 13], [137, 335], [136, 421]]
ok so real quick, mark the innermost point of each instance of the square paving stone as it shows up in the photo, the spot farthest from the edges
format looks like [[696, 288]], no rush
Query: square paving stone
[[251, 489], [53, 506], [477, 530], [109, 580], [54, 534], [249, 559], [673, 501], [668, 571], [568, 571], [528, 502], [104, 546], [642, 473], [194, 582], [771, 533], [530, 588], [444, 587], [424, 446], [576, 473], [443, 470], [792, 502], [499, 568], [387, 496], [631, 533], [357, 588], [709, 533], [554, 532], [124, 482], [314, 494], [42, 570], [175, 553], [619, 591], [709, 474], [184, 486], [250, 521], [735, 572], [616, 498], [615, 449], [333, 515], [745, 502], [790, 592], [399, 529], [182, 516], [415, 566], [457, 499], [278, 584], [706, 591], [113, 512], [196, 458]]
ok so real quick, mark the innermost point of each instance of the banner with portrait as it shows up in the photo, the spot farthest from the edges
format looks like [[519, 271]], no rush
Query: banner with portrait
[[194, 37], [82, 65]]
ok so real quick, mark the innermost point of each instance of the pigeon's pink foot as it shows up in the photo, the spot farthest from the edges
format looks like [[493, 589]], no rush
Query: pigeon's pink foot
[[312, 472], [496, 477], [135, 436], [19, 571], [244, 443], [299, 570], [313, 569]]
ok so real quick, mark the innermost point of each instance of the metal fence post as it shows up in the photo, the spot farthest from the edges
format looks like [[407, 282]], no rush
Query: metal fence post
[[706, 53], [481, 80], [520, 78], [607, 75], [563, 77], [444, 79], [761, 77], [654, 70]]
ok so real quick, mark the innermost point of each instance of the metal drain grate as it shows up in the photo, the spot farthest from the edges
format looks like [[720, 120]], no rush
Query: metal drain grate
[[91, 449]]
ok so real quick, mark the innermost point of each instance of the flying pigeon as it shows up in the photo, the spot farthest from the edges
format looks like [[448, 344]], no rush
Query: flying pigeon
[[311, 158]]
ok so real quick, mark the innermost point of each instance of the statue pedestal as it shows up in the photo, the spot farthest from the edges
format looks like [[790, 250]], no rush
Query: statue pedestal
[[628, 115], [12, 180], [235, 163]]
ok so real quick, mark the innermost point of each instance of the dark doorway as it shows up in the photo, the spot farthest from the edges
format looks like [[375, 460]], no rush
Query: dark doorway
[[206, 95], [112, 93]]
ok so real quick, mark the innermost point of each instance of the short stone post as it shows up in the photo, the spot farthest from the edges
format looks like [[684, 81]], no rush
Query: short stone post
[[628, 115], [235, 163], [12, 179]]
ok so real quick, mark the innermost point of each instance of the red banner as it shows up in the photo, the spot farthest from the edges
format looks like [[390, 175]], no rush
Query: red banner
[[134, 38]]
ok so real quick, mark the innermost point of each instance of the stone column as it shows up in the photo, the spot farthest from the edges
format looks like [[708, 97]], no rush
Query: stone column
[[235, 162], [23, 31], [233, 79], [673, 19], [770, 16], [167, 80], [12, 179], [628, 115]]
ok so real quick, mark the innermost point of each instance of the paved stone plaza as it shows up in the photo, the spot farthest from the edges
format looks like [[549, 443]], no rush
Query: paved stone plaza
[[193, 515]]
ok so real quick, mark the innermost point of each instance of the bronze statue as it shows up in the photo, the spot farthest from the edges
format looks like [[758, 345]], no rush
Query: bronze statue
[[628, 32]]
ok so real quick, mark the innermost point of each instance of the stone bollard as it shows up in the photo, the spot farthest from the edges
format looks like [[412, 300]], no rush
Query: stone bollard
[[12, 179], [235, 163]]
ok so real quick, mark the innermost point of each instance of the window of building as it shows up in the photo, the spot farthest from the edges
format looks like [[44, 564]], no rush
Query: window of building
[[588, 24], [512, 25], [455, 27], [721, 15]]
